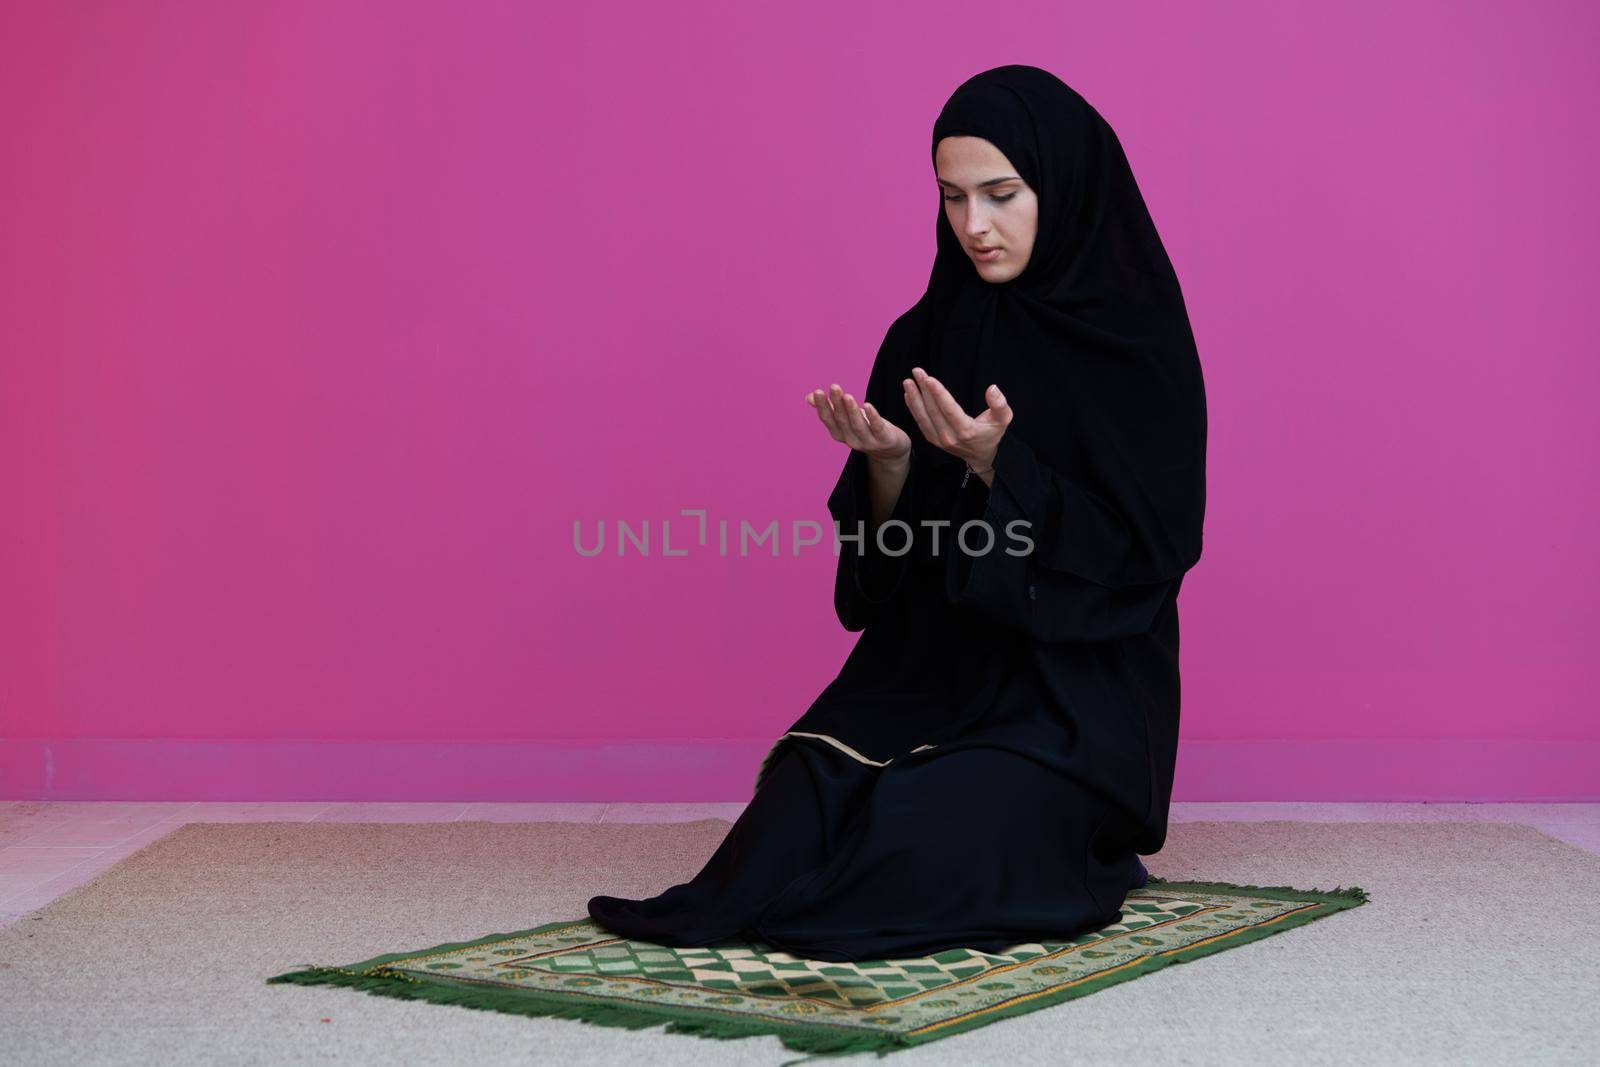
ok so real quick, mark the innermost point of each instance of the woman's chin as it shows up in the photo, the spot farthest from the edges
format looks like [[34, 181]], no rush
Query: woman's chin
[[995, 272]]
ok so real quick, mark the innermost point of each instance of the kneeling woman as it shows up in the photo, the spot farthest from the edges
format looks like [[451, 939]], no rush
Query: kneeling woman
[[998, 749]]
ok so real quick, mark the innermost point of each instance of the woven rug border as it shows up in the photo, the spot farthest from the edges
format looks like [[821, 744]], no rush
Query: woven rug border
[[370, 976]]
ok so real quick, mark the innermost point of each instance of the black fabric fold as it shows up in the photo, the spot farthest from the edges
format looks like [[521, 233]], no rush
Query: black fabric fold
[[1003, 578], [868, 575]]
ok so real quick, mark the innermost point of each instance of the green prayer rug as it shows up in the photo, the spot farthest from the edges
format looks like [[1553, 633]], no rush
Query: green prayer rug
[[578, 970]]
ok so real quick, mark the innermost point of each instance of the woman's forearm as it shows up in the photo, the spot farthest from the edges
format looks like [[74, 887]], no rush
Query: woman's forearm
[[885, 479]]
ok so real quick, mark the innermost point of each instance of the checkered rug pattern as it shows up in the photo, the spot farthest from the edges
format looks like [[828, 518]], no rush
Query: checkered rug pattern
[[578, 970]]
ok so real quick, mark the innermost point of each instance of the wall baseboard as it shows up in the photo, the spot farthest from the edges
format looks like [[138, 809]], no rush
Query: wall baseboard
[[719, 770]]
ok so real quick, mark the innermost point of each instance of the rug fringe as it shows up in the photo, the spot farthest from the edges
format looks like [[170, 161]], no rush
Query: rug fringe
[[1353, 893], [381, 981]]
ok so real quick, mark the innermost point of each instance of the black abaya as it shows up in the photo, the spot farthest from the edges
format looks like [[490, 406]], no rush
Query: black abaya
[[999, 746]]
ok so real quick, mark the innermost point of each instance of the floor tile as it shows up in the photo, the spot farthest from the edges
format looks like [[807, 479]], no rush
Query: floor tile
[[53, 858], [261, 811], [15, 883], [98, 809], [42, 892], [351, 812], [32, 822], [39, 895], [93, 832]]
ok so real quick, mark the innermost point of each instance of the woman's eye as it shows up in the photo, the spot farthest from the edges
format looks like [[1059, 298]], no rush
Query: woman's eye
[[1001, 199]]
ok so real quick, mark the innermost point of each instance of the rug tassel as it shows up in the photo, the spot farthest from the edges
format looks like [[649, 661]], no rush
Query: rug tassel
[[1352, 893], [819, 1042], [381, 981]]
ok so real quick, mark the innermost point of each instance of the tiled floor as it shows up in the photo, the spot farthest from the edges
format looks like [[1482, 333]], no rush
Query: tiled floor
[[47, 848]]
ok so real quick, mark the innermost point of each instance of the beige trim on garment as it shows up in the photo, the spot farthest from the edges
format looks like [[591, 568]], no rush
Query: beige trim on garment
[[766, 761], [846, 749]]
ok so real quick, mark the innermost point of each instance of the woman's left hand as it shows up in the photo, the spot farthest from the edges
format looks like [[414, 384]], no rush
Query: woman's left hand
[[944, 424]]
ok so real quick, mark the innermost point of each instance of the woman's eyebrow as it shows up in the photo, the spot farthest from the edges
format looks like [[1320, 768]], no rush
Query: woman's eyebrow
[[981, 185]]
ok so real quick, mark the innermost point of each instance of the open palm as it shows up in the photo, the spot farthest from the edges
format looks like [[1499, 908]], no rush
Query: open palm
[[944, 424], [859, 425]]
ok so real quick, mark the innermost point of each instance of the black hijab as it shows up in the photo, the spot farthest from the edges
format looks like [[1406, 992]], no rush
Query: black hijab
[[1090, 343]]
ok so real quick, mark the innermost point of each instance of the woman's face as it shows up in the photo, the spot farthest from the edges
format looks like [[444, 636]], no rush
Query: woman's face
[[987, 205]]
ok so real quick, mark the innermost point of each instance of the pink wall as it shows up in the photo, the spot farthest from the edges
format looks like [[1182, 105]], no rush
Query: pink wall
[[320, 323]]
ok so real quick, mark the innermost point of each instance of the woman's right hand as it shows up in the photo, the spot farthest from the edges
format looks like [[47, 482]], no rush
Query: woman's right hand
[[859, 426]]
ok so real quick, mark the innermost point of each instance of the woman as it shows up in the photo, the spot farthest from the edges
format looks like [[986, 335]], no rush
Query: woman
[[999, 746]]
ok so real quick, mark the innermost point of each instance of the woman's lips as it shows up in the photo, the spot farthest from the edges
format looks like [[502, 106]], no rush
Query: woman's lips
[[985, 257]]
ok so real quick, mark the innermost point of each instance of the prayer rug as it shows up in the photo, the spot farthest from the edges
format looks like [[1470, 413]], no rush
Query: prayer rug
[[578, 970]]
